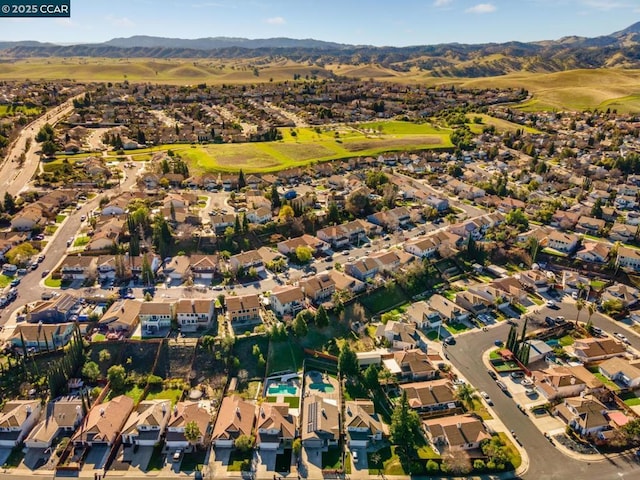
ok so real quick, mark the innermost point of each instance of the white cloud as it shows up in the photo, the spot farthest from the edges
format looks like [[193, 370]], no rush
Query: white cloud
[[441, 3], [122, 22], [276, 21], [481, 8]]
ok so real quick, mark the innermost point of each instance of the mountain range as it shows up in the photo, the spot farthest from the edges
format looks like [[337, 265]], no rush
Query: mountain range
[[619, 49]]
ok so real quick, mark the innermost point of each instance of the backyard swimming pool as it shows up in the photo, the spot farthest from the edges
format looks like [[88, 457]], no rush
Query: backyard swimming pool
[[282, 389], [322, 387]]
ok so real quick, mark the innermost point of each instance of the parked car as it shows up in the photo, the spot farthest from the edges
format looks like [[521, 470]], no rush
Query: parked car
[[492, 374], [45, 273], [15, 282], [518, 374], [621, 337], [486, 397], [450, 340], [177, 455], [551, 303], [501, 385]]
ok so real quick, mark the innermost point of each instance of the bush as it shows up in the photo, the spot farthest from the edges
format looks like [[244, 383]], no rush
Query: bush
[[479, 465], [433, 466], [154, 381]]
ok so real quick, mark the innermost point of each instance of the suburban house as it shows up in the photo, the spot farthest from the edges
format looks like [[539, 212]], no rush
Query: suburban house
[[286, 300], [246, 261], [535, 280], [275, 427], [456, 432], [59, 309], [260, 215], [104, 422], [121, 317], [422, 315], [344, 282], [402, 336], [594, 252], [363, 269], [194, 314], [62, 418], [436, 395], [318, 288], [288, 247], [573, 281], [340, 236], [203, 267], [78, 267], [147, 423], [320, 423], [473, 302], [17, 418], [559, 382], [628, 258], [422, 247], [182, 414], [584, 414], [28, 218], [562, 241], [236, 417], [449, 311], [627, 295], [392, 219], [155, 316], [244, 308], [177, 269], [362, 424], [42, 336], [413, 365], [621, 371], [594, 349], [623, 232], [590, 225]]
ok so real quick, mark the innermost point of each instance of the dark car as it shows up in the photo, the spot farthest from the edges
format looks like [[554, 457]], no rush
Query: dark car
[[518, 374], [492, 374], [450, 341]]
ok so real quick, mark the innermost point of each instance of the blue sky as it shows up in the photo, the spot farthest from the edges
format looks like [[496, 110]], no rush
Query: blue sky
[[373, 22]]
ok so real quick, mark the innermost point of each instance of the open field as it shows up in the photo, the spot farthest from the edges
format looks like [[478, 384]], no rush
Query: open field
[[308, 145], [572, 89]]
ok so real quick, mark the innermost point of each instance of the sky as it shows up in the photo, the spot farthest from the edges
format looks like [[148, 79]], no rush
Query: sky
[[360, 22]]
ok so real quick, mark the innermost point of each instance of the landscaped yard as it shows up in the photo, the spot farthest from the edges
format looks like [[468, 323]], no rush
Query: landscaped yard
[[514, 455], [239, 461], [51, 283], [480, 409], [134, 392], [630, 399], [81, 241], [282, 357], [172, 394], [4, 281], [455, 327], [332, 459], [60, 218], [389, 463], [566, 340], [384, 299]]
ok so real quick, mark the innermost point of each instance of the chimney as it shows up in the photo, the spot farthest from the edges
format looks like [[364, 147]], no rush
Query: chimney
[[102, 412], [28, 409], [238, 412], [78, 411], [459, 425]]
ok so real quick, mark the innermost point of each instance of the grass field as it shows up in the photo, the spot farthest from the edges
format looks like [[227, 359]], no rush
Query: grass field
[[4, 110], [308, 145]]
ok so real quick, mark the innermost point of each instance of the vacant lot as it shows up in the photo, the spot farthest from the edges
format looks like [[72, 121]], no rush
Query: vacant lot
[[175, 360]]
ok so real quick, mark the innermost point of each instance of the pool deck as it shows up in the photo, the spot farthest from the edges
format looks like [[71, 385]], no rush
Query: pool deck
[[317, 377]]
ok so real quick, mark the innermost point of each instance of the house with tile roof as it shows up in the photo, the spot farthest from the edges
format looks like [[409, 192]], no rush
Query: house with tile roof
[[104, 422], [146, 423], [236, 417], [362, 424], [320, 426], [17, 418], [194, 314], [286, 300], [456, 432], [62, 417], [436, 395], [182, 414], [275, 426]]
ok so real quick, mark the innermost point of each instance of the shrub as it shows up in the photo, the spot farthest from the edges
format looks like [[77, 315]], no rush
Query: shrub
[[479, 464], [433, 466]]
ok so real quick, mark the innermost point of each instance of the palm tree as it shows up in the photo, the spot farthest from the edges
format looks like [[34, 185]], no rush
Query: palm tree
[[579, 307], [192, 432], [591, 308], [466, 393]]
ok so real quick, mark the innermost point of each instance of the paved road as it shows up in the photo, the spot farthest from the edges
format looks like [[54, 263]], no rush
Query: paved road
[[546, 462], [12, 179]]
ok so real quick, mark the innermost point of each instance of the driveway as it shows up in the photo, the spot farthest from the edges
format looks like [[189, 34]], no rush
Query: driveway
[[265, 461]]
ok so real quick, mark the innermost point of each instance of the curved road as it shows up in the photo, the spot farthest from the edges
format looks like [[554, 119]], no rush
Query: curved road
[[13, 180], [546, 462]]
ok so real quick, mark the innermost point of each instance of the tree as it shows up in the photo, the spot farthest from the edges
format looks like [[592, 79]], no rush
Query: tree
[[241, 180], [517, 218], [357, 203], [371, 379], [117, 377], [296, 446], [91, 371], [457, 461], [322, 318], [405, 424], [300, 327], [104, 356], [244, 443], [304, 254], [333, 214], [465, 393], [192, 432], [49, 148], [286, 213], [275, 198], [348, 365], [591, 308], [9, 203], [579, 306]]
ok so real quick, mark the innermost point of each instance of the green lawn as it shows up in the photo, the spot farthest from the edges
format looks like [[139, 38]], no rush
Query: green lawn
[[612, 386], [425, 452], [566, 341], [480, 409], [4, 281], [514, 455], [282, 356], [134, 392], [629, 399], [384, 299], [81, 241], [389, 463], [60, 218], [456, 327], [98, 337], [354, 390], [597, 284], [239, 462], [50, 229], [51, 283], [172, 394], [332, 459]]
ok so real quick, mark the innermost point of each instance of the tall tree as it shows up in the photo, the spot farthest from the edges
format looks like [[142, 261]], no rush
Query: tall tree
[[465, 393], [348, 365], [405, 424], [192, 432], [579, 306], [241, 181]]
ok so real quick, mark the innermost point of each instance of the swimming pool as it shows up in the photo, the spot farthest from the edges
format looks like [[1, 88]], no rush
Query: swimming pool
[[282, 389], [322, 387]]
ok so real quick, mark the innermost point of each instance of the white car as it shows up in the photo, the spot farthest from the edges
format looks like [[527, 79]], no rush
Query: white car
[[551, 303], [486, 397], [621, 337]]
